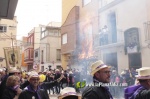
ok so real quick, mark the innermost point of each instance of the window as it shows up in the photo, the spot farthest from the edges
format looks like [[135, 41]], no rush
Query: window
[[105, 2], [36, 54], [58, 54], [64, 38], [46, 33], [26, 54], [85, 2], [42, 35], [31, 53], [50, 32], [112, 27], [42, 57], [31, 40], [3, 28]]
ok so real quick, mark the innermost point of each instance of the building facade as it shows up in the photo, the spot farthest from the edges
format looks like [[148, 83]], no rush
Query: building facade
[[8, 30], [36, 62], [123, 33], [29, 50], [50, 47], [78, 32]]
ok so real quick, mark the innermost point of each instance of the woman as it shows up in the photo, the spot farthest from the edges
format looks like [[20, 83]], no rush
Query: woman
[[12, 90]]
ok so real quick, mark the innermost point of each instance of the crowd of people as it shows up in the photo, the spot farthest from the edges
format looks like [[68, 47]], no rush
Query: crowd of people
[[17, 84]]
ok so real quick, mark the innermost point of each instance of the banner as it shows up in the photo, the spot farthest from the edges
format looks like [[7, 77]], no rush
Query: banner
[[12, 57]]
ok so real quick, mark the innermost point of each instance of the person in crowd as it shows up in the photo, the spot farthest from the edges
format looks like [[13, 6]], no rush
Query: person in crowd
[[56, 76], [71, 79], [3, 74], [11, 71], [33, 90], [101, 74], [68, 93], [65, 79], [142, 90], [37, 89], [12, 90]]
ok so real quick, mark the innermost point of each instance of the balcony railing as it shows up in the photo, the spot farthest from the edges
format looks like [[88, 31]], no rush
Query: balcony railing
[[105, 40], [105, 4]]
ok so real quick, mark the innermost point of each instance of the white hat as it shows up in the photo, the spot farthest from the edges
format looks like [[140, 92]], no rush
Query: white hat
[[32, 74], [143, 73], [57, 70], [68, 91], [70, 72], [98, 65], [13, 70]]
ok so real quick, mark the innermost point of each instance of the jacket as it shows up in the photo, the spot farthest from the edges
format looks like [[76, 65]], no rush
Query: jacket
[[137, 92], [9, 93], [30, 93], [96, 93]]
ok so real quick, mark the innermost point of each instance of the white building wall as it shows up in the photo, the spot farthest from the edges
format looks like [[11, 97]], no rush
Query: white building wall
[[129, 14], [5, 38]]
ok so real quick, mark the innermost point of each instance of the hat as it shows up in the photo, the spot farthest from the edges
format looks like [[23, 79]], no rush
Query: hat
[[33, 74], [68, 91], [42, 77], [143, 73], [98, 65], [13, 70], [70, 72], [57, 70]]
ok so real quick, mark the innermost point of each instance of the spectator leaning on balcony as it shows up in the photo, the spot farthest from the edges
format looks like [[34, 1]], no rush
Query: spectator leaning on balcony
[[101, 74], [142, 90]]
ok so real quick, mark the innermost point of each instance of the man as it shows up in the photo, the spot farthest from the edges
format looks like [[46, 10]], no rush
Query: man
[[56, 76], [36, 88], [141, 90], [101, 75], [33, 90]]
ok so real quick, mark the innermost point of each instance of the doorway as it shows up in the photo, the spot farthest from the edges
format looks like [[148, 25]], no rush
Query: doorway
[[135, 60]]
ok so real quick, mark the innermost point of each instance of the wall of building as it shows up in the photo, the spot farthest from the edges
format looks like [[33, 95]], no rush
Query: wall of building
[[129, 14], [66, 7], [50, 44], [5, 40]]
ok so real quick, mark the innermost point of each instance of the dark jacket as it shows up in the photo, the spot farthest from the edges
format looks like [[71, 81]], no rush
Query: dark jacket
[[29, 93], [9, 93], [96, 93], [137, 92], [3, 85], [144, 94]]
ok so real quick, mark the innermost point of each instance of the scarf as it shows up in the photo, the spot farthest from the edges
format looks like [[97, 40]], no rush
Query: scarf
[[30, 89], [106, 88], [132, 91]]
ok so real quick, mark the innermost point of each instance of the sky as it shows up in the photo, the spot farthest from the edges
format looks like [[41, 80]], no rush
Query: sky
[[31, 13]]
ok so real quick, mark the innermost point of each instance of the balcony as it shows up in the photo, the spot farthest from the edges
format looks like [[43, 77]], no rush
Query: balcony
[[106, 4], [105, 41], [28, 45]]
